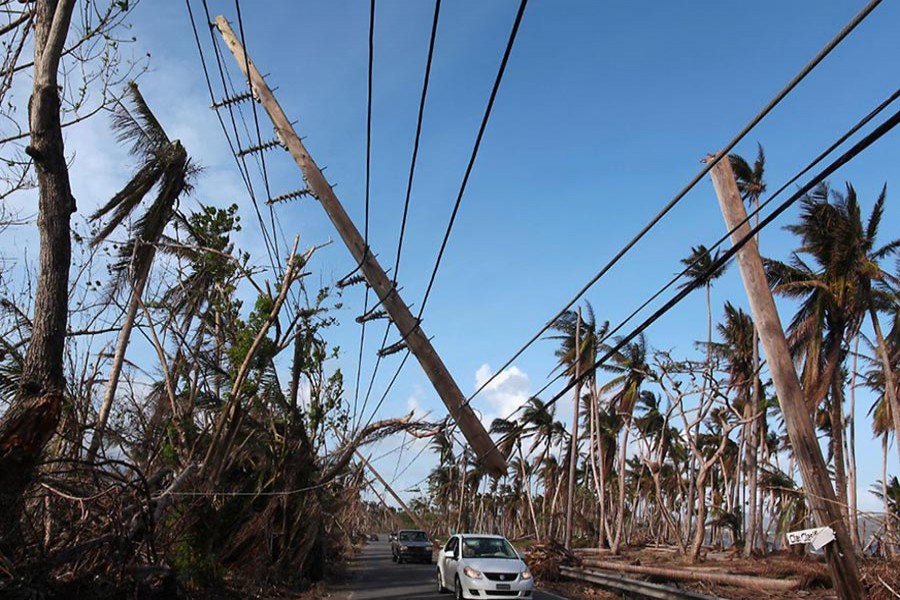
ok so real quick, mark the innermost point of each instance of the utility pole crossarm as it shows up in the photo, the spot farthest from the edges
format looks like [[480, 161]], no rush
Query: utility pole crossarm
[[408, 326]]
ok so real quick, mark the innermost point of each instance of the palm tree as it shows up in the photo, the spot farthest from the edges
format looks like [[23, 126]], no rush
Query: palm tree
[[579, 337], [537, 422], [836, 293], [512, 433], [736, 350], [629, 363], [163, 165]]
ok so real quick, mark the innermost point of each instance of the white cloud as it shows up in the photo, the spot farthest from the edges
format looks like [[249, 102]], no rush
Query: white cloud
[[507, 392], [414, 403]]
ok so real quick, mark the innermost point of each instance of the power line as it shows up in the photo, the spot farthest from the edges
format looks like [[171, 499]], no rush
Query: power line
[[362, 335], [240, 159], [690, 267], [409, 182], [846, 157], [262, 156], [484, 121], [812, 64], [474, 155]]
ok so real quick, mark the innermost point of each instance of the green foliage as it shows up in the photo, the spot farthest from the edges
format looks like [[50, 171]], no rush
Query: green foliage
[[245, 335], [195, 565], [893, 494]]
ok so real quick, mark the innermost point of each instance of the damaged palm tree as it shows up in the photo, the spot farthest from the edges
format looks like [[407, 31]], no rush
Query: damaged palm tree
[[165, 166]]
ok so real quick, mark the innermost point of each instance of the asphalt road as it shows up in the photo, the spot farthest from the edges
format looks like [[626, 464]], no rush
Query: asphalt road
[[373, 576]]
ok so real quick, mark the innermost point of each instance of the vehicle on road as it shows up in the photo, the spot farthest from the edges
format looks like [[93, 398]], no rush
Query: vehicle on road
[[411, 545], [482, 566]]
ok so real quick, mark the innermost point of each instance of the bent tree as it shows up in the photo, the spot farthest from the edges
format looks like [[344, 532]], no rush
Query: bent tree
[[165, 166]]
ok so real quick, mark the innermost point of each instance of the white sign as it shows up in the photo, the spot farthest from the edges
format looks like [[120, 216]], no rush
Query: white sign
[[818, 537]]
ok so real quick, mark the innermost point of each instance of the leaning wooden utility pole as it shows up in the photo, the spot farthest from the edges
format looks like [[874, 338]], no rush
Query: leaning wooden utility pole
[[408, 326], [412, 515], [819, 492], [384, 504]]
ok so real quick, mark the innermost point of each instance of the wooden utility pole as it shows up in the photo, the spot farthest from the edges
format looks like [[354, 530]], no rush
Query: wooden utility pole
[[819, 492], [573, 458], [412, 515], [383, 503], [408, 326]]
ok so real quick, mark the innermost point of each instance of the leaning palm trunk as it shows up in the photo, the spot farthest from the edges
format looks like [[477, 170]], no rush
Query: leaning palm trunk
[[750, 456], [888, 517], [527, 481], [597, 473], [890, 388], [118, 360], [838, 428], [164, 165], [620, 513], [851, 453]]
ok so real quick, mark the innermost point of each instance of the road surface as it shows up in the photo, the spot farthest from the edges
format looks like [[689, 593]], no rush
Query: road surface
[[373, 575]]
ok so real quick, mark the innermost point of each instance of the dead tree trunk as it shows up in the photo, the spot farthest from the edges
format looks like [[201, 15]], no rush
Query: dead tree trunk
[[31, 420]]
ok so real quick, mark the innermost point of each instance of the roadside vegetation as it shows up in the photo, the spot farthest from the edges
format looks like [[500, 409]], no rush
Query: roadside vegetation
[[172, 421]]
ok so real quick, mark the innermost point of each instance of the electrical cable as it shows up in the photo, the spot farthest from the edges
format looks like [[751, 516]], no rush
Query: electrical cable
[[846, 157], [825, 51], [409, 182], [471, 163], [690, 267], [484, 121], [241, 160], [262, 155], [362, 335]]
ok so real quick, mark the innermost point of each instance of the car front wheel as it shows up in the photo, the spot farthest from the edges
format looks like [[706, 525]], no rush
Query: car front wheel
[[459, 590], [440, 583]]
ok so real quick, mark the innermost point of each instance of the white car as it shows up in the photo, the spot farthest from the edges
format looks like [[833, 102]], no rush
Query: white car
[[482, 566]]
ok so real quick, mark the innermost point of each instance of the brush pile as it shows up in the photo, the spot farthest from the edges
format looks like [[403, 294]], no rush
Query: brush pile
[[544, 560]]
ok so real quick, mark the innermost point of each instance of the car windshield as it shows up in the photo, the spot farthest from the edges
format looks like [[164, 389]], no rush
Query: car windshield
[[413, 536], [476, 547]]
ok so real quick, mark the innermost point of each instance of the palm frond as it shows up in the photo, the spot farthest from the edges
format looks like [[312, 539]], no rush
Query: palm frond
[[138, 126]]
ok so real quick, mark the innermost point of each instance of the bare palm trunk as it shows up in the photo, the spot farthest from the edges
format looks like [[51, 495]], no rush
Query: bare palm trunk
[[115, 370], [837, 442], [753, 532], [620, 514], [596, 452], [888, 518], [460, 521], [851, 453], [527, 481], [556, 493], [890, 386]]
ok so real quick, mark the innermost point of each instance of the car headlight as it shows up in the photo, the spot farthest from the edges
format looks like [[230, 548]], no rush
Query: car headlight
[[472, 573], [526, 574], [404, 548]]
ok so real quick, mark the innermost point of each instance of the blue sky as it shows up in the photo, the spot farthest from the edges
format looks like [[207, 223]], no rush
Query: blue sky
[[605, 112]]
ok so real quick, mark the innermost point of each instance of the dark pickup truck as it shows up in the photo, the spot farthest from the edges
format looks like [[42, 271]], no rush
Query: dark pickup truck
[[409, 545]]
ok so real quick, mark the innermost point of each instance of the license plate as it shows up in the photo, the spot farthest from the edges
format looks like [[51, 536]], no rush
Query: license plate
[[502, 586]]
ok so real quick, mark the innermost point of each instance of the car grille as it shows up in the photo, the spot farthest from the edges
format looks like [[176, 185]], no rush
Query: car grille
[[502, 576]]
